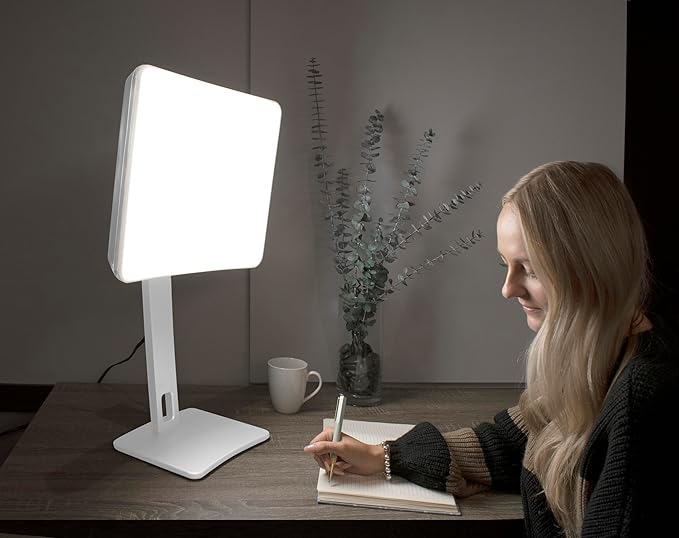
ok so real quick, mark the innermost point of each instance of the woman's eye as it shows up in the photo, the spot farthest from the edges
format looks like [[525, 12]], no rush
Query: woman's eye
[[502, 264]]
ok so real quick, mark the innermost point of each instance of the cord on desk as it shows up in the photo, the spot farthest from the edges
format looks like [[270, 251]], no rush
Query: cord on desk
[[15, 429], [24, 426], [124, 360]]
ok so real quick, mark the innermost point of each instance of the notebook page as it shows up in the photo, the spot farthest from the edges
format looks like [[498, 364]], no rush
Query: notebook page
[[375, 486], [370, 432]]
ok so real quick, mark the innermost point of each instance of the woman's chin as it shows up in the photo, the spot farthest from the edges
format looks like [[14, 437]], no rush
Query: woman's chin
[[534, 322]]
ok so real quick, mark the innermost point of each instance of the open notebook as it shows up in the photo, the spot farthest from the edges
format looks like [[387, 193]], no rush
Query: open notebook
[[374, 491]]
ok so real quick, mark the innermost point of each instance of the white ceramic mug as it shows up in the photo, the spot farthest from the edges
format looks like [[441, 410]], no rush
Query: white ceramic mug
[[287, 383]]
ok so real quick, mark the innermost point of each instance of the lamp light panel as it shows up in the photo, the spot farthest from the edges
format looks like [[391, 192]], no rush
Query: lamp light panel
[[192, 186]]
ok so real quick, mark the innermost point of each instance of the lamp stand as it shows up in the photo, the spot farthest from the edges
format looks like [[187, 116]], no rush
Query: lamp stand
[[190, 442]]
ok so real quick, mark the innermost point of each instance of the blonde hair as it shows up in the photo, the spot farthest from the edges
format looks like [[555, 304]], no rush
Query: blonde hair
[[586, 243]]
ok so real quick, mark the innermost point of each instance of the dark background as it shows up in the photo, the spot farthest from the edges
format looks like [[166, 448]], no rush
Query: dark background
[[651, 141]]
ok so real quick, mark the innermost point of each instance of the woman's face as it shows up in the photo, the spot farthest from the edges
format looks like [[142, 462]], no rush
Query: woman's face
[[521, 281]]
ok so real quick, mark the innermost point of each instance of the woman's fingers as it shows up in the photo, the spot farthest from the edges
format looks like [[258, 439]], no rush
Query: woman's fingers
[[325, 435], [342, 464], [324, 447], [352, 455], [322, 462]]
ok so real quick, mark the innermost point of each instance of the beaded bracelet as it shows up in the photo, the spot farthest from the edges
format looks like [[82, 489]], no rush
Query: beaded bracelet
[[387, 460]]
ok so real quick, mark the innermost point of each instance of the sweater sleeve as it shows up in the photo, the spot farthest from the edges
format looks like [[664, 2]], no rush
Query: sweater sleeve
[[464, 461]]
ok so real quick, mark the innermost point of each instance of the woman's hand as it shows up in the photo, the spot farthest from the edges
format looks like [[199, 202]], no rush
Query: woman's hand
[[353, 456]]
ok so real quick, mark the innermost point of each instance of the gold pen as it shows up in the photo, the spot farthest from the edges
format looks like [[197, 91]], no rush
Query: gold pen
[[337, 434]]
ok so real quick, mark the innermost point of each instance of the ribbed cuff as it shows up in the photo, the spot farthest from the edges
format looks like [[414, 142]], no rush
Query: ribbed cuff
[[503, 445], [421, 456]]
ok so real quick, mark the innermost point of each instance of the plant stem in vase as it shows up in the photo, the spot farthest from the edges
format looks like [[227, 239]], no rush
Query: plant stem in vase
[[359, 376]]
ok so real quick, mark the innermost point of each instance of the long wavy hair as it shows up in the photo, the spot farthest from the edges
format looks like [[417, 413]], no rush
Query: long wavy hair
[[587, 245]]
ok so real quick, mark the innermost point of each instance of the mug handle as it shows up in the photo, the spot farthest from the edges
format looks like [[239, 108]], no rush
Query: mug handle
[[320, 384]]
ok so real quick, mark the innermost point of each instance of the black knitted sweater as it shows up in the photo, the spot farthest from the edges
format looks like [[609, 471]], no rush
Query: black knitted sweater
[[629, 480]]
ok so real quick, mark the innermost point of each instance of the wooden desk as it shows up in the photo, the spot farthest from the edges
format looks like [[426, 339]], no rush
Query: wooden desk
[[65, 467]]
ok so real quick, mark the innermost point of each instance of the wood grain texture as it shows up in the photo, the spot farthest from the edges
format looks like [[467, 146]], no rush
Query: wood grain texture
[[65, 466]]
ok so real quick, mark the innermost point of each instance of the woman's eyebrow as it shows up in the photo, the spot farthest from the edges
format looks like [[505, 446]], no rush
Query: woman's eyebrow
[[517, 260]]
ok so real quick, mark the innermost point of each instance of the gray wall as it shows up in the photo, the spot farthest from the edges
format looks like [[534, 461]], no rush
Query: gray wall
[[506, 85], [65, 317]]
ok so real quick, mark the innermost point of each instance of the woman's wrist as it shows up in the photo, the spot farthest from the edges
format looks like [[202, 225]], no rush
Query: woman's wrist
[[377, 459]]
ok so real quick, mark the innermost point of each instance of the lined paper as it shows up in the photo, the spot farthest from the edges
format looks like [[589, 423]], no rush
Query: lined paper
[[374, 490]]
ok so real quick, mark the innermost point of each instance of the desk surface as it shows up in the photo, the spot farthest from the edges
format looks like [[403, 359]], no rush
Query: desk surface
[[65, 466]]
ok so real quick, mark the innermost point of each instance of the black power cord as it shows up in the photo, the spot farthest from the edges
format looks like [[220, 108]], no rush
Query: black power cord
[[124, 360], [15, 429], [24, 426]]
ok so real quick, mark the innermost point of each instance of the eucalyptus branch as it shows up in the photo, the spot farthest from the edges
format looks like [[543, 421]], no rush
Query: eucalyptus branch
[[426, 221], [341, 233], [408, 189], [458, 248], [318, 130], [373, 134]]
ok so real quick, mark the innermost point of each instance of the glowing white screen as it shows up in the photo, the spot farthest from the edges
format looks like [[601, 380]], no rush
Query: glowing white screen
[[193, 177]]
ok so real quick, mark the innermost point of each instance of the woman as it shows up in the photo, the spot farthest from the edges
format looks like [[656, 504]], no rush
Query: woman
[[600, 372]]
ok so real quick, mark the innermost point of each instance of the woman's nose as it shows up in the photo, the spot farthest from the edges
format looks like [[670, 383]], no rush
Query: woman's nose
[[512, 287]]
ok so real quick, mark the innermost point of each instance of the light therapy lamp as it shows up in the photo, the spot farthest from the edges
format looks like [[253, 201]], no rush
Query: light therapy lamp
[[192, 190]]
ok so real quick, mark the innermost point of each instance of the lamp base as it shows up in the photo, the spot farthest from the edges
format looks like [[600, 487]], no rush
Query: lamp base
[[191, 445]]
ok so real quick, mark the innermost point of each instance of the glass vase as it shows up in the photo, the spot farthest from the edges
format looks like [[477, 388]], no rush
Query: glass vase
[[359, 376]]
